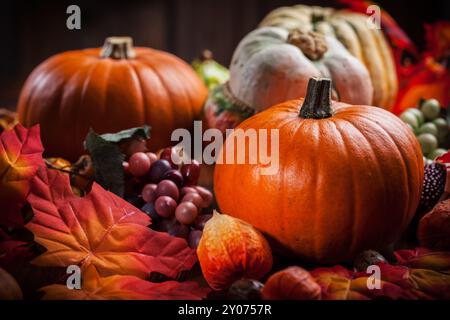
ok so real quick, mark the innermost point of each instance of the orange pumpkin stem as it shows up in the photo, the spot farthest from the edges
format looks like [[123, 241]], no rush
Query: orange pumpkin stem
[[317, 103], [118, 48]]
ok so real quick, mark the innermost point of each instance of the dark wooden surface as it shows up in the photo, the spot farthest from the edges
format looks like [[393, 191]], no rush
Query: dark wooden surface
[[31, 31]]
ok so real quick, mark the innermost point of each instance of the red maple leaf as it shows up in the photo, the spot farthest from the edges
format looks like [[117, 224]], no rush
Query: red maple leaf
[[20, 157], [121, 287], [100, 229]]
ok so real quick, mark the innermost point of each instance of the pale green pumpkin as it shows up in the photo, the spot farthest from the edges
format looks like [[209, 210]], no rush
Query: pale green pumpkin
[[272, 65], [354, 31]]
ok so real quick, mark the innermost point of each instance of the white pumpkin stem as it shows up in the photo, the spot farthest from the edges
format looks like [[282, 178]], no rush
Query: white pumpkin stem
[[118, 48], [317, 103], [312, 44]]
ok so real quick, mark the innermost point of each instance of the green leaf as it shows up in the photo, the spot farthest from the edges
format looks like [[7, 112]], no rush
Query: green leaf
[[225, 104], [143, 132], [107, 159]]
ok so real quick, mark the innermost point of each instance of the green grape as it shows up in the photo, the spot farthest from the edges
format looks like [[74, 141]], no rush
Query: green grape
[[431, 109], [418, 114], [428, 142], [442, 127], [428, 127], [410, 118]]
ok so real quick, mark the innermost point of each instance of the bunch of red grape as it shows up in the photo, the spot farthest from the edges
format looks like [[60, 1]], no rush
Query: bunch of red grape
[[168, 193]]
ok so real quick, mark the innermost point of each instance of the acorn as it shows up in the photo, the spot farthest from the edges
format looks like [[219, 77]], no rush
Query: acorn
[[366, 259], [433, 186], [245, 289]]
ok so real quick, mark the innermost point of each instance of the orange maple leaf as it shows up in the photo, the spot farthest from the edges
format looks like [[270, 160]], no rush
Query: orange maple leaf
[[100, 229], [20, 156], [120, 287]]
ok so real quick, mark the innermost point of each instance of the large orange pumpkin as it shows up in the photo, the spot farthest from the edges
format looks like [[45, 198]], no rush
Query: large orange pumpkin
[[110, 89], [349, 178]]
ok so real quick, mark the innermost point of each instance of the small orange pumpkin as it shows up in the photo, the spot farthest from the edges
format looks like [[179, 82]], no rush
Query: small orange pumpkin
[[9, 288], [293, 283], [434, 227], [110, 89], [349, 177]]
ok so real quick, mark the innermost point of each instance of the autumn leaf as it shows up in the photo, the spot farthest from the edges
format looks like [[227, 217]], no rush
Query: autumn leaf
[[100, 229], [8, 119], [423, 258], [437, 36], [13, 252], [337, 283], [119, 287], [17, 251], [20, 156], [418, 274]]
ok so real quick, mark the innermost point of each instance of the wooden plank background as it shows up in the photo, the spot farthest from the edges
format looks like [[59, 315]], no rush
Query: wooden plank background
[[31, 31]]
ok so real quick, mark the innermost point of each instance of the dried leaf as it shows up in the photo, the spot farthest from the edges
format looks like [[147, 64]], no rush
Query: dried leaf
[[120, 287], [20, 156], [100, 229], [419, 274], [422, 258]]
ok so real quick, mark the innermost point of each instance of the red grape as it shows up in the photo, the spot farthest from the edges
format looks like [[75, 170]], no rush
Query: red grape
[[178, 230], [186, 212], [169, 154], [175, 176], [135, 200], [194, 238], [165, 206], [126, 167], [205, 194], [168, 188], [186, 190], [193, 197], [153, 157], [164, 225], [139, 164], [149, 192], [133, 145], [149, 209], [201, 221], [191, 172], [158, 169]]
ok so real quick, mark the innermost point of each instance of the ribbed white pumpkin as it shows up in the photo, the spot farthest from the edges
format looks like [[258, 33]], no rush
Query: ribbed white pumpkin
[[353, 30], [272, 65]]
